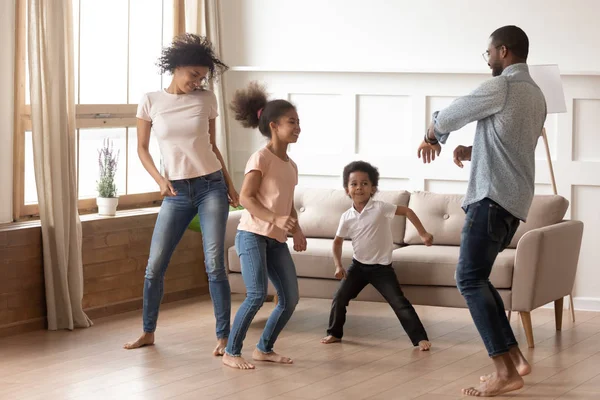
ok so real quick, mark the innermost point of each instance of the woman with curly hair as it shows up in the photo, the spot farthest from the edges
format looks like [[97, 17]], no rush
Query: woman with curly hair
[[195, 181], [268, 198]]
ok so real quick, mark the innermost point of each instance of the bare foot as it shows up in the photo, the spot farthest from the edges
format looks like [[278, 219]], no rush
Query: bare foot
[[220, 349], [495, 386], [236, 362], [521, 364], [147, 339], [271, 357], [330, 339], [424, 345]]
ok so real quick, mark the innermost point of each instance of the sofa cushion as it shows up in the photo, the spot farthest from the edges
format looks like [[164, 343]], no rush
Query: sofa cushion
[[315, 262], [436, 265], [545, 210], [414, 265], [319, 210], [441, 215]]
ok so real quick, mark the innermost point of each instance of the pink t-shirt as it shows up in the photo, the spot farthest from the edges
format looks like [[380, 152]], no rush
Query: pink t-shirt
[[276, 192], [180, 123]]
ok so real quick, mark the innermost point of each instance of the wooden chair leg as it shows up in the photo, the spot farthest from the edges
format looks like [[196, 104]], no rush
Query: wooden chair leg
[[572, 307], [526, 320], [509, 315], [558, 313]]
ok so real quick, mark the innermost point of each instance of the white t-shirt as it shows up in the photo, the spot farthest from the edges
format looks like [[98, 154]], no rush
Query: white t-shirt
[[370, 231], [180, 123]]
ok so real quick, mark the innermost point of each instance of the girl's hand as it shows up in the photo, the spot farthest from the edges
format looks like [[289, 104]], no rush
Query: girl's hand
[[286, 222], [166, 188], [299, 240]]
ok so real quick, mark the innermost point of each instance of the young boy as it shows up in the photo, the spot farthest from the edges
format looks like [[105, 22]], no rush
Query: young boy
[[368, 224]]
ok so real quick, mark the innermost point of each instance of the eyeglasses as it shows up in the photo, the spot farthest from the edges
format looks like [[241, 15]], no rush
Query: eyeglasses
[[486, 54]]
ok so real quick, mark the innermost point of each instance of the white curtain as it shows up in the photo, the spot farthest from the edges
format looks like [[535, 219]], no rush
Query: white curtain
[[51, 70], [202, 18], [7, 104]]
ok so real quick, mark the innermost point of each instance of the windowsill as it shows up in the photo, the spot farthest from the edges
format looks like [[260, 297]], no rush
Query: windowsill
[[10, 226], [121, 214]]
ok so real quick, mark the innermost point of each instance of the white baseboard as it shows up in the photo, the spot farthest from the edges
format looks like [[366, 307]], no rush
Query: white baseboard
[[580, 304], [587, 303]]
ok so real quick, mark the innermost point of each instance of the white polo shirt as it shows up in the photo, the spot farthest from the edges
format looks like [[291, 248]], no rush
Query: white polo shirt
[[370, 231]]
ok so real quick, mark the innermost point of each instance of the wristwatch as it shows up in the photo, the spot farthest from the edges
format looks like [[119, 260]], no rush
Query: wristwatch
[[430, 141]]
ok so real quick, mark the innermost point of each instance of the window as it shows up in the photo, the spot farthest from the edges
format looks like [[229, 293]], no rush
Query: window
[[116, 44]]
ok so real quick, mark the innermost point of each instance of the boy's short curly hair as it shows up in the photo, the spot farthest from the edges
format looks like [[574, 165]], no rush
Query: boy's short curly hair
[[188, 50], [361, 166]]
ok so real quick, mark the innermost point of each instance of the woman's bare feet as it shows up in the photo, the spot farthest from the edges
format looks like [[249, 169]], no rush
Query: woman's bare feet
[[424, 345], [330, 339], [495, 386], [147, 339], [521, 364], [236, 362], [220, 349], [271, 357]]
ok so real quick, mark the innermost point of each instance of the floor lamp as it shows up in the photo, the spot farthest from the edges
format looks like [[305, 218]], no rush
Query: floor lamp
[[548, 79]]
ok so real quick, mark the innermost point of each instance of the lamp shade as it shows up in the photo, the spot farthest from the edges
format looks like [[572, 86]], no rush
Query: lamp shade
[[548, 79]]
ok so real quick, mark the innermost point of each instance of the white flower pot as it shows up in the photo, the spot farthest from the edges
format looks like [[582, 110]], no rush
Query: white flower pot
[[107, 205]]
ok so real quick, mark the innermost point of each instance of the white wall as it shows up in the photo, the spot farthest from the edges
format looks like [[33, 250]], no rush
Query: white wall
[[365, 80], [404, 34], [7, 62]]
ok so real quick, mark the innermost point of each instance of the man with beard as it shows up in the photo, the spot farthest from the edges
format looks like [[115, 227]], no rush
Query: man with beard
[[510, 111]]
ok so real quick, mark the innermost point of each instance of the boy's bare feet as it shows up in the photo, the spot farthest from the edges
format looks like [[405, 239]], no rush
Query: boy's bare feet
[[220, 349], [330, 339], [521, 364], [236, 362], [495, 386], [424, 345], [147, 339], [271, 357]]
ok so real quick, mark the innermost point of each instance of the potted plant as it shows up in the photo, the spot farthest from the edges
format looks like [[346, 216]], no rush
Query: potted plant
[[107, 199]]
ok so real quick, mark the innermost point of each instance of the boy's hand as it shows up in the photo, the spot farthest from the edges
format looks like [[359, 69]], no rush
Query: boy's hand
[[299, 240], [340, 273], [427, 238]]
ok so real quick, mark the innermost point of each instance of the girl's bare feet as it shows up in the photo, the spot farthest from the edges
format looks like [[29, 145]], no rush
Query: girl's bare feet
[[521, 364], [271, 357], [220, 349], [330, 339], [147, 339], [236, 362], [495, 386], [424, 345]]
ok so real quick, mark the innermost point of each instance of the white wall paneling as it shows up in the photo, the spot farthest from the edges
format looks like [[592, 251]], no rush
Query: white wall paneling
[[370, 96]]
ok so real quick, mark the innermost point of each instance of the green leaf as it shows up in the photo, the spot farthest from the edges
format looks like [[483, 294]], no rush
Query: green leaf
[[195, 224]]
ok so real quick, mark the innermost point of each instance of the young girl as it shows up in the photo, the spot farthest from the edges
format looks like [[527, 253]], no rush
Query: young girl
[[196, 181], [367, 223], [268, 198]]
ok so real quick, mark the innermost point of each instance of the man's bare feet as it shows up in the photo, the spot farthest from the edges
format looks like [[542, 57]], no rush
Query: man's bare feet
[[424, 345], [236, 362], [220, 349], [271, 357], [147, 339], [495, 386], [521, 364], [330, 339]]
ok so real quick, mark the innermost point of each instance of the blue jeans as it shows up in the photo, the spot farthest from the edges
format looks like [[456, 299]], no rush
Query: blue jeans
[[207, 196], [488, 230], [261, 258]]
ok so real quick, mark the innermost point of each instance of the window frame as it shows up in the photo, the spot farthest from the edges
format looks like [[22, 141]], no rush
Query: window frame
[[86, 116]]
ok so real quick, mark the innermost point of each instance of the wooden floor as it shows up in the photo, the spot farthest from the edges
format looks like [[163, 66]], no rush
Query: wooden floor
[[376, 360]]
